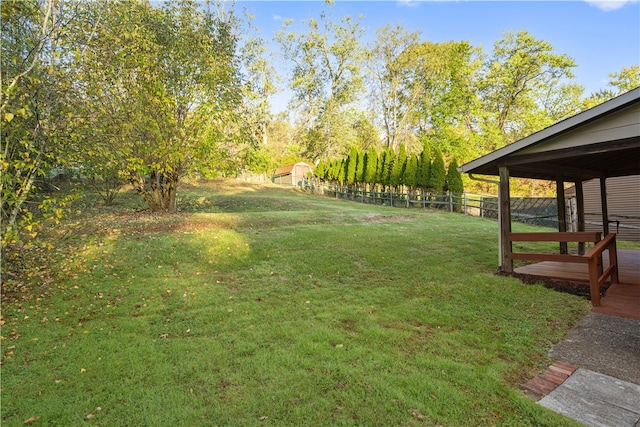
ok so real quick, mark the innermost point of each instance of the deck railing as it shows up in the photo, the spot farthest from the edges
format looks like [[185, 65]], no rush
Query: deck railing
[[593, 258]]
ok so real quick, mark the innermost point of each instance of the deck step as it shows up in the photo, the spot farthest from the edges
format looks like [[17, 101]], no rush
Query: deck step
[[622, 300]]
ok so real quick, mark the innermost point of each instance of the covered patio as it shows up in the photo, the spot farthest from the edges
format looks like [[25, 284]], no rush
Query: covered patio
[[599, 143]]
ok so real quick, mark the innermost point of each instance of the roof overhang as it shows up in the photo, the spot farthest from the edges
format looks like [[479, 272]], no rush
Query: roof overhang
[[603, 141]]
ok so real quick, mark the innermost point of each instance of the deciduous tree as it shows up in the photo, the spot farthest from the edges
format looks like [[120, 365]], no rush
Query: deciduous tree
[[386, 74], [34, 104], [326, 79], [521, 74], [161, 88]]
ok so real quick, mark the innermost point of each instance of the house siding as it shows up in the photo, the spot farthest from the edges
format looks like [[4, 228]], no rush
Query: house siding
[[623, 205], [624, 124]]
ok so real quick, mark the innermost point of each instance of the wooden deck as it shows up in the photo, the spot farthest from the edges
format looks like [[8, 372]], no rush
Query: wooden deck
[[621, 299]]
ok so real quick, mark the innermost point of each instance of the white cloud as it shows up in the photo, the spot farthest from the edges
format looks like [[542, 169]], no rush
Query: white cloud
[[608, 5], [408, 3], [276, 17]]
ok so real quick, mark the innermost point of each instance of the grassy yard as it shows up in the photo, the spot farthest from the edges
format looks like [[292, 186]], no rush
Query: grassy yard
[[265, 306]]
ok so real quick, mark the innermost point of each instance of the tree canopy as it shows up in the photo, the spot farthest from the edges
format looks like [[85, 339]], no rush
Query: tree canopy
[[159, 88], [149, 93]]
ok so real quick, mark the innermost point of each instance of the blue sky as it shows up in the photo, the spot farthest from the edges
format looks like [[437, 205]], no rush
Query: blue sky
[[601, 36]]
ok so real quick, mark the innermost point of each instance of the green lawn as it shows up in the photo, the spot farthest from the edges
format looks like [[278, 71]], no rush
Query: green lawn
[[265, 306]]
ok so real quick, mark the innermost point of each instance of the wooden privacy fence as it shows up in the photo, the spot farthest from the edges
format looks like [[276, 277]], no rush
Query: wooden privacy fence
[[593, 258]]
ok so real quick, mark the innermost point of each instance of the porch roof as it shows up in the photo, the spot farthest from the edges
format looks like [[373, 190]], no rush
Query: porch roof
[[603, 141]]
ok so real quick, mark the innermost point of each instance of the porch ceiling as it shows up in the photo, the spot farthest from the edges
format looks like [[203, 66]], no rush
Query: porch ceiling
[[615, 158]]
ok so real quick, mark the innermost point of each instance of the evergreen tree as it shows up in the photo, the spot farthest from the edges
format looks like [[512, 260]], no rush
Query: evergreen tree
[[437, 177], [397, 172], [351, 165], [360, 168], [454, 184], [454, 179], [320, 171], [335, 170], [342, 171], [386, 166], [371, 166], [382, 161], [424, 167], [411, 171]]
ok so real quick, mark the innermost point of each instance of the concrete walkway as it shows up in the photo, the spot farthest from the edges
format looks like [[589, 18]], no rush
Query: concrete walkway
[[605, 389], [596, 399]]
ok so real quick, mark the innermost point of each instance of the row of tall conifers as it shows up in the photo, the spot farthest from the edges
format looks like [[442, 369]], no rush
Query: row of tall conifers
[[396, 170]]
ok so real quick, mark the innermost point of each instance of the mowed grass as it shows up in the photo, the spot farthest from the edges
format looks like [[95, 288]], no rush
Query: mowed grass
[[264, 306]]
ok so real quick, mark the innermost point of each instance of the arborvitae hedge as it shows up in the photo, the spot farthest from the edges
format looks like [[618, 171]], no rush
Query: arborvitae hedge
[[424, 166], [371, 166], [397, 172], [454, 179], [411, 171], [320, 171], [437, 177], [342, 171], [360, 167], [352, 164], [387, 168]]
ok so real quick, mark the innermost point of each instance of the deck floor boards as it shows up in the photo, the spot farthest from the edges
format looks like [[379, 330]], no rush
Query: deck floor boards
[[621, 299]]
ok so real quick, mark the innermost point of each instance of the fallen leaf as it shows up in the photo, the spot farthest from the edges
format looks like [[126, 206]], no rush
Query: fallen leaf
[[417, 414], [32, 419], [94, 414]]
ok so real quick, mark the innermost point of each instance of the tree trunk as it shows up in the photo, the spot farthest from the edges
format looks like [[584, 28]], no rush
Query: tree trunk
[[23, 193], [158, 191]]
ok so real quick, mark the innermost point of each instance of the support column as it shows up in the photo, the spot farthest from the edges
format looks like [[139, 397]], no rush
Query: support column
[[505, 219], [605, 210], [580, 207], [562, 212]]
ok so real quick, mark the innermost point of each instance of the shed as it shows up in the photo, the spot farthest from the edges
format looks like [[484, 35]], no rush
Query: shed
[[294, 174]]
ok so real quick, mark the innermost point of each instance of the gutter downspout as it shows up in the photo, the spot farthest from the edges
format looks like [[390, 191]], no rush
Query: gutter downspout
[[490, 181]]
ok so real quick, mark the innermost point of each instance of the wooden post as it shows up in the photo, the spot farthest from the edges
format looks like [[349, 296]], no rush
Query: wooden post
[[594, 285], [504, 211], [603, 203], [580, 208], [562, 213], [464, 202]]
